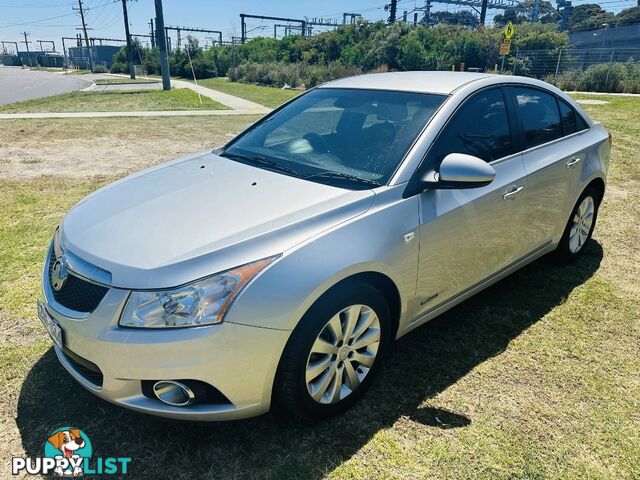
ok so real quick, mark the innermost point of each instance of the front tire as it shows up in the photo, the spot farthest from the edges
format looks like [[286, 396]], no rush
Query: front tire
[[334, 353], [582, 221]]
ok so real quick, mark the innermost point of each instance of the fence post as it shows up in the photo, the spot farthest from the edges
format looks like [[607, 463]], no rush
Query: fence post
[[606, 81], [555, 77]]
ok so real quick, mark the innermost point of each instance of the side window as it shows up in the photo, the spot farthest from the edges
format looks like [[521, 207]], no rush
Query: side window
[[571, 121], [480, 128], [538, 114], [568, 118]]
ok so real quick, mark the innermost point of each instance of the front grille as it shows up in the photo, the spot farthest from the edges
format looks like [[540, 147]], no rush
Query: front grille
[[76, 294], [84, 367]]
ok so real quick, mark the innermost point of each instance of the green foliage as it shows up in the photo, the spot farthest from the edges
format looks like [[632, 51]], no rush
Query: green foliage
[[293, 74], [350, 49], [589, 15], [628, 16], [616, 77], [546, 14]]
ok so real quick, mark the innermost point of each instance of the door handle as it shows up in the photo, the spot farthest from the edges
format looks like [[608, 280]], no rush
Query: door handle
[[573, 161], [513, 192]]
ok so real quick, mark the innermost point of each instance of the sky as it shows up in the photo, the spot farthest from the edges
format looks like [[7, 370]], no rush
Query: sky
[[53, 19]]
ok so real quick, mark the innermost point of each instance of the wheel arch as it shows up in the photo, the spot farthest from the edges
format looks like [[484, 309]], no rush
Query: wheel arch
[[378, 280], [597, 184], [385, 286]]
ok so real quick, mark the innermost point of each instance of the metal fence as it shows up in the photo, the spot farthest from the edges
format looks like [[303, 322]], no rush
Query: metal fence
[[552, 63]]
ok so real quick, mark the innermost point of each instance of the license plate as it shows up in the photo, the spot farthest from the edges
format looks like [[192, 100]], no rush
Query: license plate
[[55, 331]]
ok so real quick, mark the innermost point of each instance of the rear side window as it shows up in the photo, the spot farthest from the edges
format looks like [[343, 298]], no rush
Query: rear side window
[[538, 114], [568, 118], [480, 128], [571, 121]]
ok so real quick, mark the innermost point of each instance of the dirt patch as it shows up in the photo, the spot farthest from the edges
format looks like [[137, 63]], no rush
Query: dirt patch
[[83, 148]]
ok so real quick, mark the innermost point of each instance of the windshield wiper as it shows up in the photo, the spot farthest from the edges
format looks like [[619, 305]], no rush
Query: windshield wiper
[[344, 176], [260, 160]]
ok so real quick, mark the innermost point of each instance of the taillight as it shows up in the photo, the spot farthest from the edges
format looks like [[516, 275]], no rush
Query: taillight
[[610, 140]]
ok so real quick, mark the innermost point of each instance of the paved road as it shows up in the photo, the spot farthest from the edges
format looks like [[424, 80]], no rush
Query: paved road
[[17, 84]]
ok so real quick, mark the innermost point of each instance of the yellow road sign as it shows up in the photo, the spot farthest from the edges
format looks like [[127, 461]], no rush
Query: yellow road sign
[[509, 31], [505, 48]]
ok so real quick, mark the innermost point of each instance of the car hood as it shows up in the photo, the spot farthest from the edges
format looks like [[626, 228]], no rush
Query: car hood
[[193, 217]]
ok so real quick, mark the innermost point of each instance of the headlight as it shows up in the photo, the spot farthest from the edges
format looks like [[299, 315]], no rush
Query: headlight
[[203, 302]]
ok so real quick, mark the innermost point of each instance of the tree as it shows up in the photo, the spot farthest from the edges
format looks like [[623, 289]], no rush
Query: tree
[[546, 14], [588, 16], [509, 15], [462, 17], [628, 16]]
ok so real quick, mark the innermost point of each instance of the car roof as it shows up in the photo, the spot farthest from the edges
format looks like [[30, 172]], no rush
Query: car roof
[[424, 82]]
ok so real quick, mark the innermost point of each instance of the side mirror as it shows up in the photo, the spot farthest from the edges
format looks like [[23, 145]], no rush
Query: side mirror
[[458, 170]]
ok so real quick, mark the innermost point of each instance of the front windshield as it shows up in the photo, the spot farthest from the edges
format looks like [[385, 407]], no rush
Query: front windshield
[[345, 137]]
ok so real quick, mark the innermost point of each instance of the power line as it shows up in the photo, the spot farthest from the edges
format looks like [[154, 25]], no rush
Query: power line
[[26, 5]]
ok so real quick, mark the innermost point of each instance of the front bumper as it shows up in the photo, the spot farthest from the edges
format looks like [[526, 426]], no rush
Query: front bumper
[[240, 361]]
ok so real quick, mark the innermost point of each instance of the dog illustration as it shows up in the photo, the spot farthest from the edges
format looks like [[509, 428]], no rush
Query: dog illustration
[[68, 441]]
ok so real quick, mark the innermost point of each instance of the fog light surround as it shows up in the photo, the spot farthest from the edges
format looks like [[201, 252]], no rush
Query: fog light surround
[[174, 393]]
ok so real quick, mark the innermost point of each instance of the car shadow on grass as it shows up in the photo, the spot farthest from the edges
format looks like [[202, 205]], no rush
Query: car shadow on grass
[[424, 363]]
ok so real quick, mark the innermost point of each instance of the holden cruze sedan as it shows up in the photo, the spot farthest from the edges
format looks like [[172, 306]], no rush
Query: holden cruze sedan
[[278, 268]]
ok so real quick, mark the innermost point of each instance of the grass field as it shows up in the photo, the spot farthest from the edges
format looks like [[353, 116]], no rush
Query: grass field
[[116, 101], [536, 377], [267, 96]]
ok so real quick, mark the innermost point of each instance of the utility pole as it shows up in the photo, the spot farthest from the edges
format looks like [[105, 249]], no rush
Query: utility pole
[[132, 70], [27, 42], [483, 11], [86, 36], [162, 42], [535, 11], [392, 8], [153, 34]]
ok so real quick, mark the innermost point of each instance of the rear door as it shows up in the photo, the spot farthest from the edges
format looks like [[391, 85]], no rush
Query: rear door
[[468, 235], [551, 159]]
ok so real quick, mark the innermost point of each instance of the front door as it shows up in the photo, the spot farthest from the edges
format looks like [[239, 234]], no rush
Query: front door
[[468, 235]]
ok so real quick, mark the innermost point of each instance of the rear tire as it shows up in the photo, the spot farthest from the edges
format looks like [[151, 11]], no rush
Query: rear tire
[[577, 234], [320, 373]]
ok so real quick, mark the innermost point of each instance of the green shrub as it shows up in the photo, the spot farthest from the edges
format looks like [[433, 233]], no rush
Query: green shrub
[[569, 80], [293, 74], [616, 77], [603, 77]]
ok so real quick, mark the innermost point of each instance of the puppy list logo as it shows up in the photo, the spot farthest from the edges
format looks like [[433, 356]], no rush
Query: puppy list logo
[[68, 453]]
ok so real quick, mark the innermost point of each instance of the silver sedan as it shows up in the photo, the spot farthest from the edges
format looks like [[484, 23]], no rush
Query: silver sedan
[[280, 267]]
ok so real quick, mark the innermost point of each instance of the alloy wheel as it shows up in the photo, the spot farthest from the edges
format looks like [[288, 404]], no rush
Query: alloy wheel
[[342, 354], [582, 223]]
